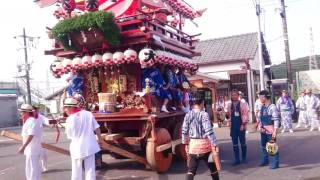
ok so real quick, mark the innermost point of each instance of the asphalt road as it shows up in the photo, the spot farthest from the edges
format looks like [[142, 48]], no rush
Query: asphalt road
[[299, 159]]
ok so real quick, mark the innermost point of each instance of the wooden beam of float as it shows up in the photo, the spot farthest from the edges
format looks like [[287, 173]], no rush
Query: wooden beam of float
[[169, 145], [124, 153], [50, 147]]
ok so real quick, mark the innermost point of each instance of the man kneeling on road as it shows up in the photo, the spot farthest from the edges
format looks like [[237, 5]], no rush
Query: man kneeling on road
[[80, 128]]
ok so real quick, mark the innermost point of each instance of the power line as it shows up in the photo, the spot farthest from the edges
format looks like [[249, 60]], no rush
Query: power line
[[26, 66]]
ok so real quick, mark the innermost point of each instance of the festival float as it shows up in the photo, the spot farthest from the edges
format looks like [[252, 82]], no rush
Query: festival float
[[115, 52]]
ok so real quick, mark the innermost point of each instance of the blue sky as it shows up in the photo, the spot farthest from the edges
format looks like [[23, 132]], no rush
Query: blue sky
[[223, 18]]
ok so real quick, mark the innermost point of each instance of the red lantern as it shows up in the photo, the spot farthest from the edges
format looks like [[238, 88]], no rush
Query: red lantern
[[147, 57]]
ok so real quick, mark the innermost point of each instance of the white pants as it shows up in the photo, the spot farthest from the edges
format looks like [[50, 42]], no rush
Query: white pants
[[89, 168], [33, 171], [312, 117], [44, 160], [303, 119]]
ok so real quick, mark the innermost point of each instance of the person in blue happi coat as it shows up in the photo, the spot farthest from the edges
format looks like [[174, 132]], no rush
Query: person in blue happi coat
[[172, 85], [156, 83], [268, 124], [76, 85]]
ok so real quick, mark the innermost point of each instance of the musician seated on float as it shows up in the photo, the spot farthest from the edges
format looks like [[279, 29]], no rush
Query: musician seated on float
[[171, 84], [155, 81]]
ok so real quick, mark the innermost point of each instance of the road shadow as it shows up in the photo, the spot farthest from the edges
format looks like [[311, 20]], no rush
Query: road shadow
[[56, 170], [296, 152], [8, 144]]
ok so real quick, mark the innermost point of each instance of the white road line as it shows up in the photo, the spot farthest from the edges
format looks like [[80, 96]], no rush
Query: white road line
[[3, 170], [6, 140], [53, 164]]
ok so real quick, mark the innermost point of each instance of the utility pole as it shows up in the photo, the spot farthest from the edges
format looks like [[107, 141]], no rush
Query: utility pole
[[313, 64], [260, 55], [286, 46], [26, 65]]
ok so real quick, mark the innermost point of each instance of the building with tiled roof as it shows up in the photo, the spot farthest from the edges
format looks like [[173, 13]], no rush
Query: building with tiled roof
[[235, 61]]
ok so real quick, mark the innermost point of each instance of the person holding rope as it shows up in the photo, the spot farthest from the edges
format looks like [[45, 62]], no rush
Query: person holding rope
[[31, 142]]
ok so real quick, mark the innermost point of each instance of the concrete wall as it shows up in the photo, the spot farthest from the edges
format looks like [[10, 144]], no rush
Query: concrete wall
[[8, 111]]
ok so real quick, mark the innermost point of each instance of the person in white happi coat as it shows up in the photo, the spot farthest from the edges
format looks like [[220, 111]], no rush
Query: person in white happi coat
[[31, 142], [301, 107], [44, 122], [312, 104], [80, 128]]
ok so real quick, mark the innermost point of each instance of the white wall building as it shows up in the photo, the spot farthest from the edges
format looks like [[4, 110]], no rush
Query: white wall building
[[235, 60]]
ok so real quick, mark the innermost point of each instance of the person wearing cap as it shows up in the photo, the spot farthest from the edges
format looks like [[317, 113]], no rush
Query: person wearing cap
[[312, 104], [80, 128], [286, 109], [268, 125], [31, 142], [237, 115], [44, 121], [301, 106]]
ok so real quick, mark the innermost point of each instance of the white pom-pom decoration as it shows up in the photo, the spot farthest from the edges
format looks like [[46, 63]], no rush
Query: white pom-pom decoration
[[107, 58], [76, 63], [118, 58], [86, 61], [67, 64], [97, 60], [130, 55]]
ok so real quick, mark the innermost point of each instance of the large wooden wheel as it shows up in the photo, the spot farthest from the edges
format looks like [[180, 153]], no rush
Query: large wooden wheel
[[179, 150], [159, 161]]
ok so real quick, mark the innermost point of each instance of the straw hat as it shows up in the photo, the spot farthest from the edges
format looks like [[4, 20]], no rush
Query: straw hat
[[308, 90], [70, 102], [26, 108]]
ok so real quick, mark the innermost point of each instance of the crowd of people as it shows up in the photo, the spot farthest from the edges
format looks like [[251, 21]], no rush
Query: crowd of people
[[197, 132], [81, 128]]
